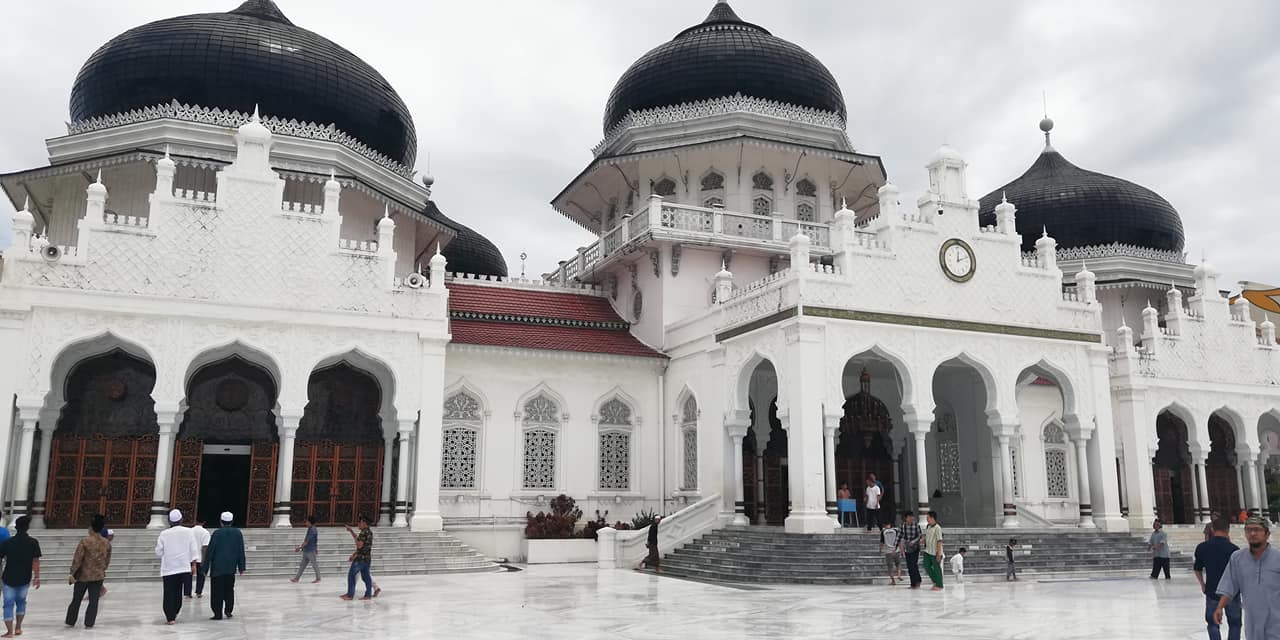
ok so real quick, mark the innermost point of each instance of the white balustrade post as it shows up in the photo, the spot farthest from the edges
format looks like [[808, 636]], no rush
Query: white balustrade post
[[284, 471], [400, 508], [93, 220], [386, 249], [654, 212]]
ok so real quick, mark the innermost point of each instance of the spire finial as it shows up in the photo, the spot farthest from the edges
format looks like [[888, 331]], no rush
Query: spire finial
[[166, 152], [256, 117], [1044, 231], [26, 204], [437, 247], [1003, 199], [844, 202], [99, 180], [332, 174], [1046, 124], [386, 211]]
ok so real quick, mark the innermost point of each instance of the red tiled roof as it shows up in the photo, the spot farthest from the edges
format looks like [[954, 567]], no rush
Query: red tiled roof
[[532, 319], [541, 304]]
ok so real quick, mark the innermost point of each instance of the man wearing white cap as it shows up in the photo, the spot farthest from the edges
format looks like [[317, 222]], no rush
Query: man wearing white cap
[[224, 557], [178, 552]]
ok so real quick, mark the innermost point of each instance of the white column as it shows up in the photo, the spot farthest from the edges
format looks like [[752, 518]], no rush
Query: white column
[[832, 423], [919, 428], [11, 336], [48, 422], [1082, 463], [1195, 492], [1251, 479], [1205, 507], [22, 481], [1006, 483], [284, 470], [1100, 456], [1239, 486], [426, 496], [384, 502], [400, 517], [1135, 428], [737, 431], [1264, 501], [167, 418], [802, 380], [1124, 487]]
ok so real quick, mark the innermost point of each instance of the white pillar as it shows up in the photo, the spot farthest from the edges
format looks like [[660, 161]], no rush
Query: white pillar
[[426, 496], [1196, 505], [737, 427], [1006, 483], [1136, 430], [1082, 463], [11, 335], [1100, 456], [1239, 487], [1205, 507], [832, 423], [22, 481], [384, 502], [1124, 487], [167, 418], [1251, 479], [284, 470], [802, 380], [400, 517], [1264, 501], [919, 428], [48, 422]]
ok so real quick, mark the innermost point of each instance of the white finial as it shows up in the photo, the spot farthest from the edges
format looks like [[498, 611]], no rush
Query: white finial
[[1122, 322], [1084, 266], [166, 151], [386, 211], [332, 175], [437, 248], [99, 180], [1044, 231], [1003, 199], [255, 117], [844, 202], [26, 204], [1149, 303]]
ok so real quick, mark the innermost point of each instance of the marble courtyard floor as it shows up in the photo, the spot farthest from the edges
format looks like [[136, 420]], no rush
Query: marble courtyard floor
[[578, 601]]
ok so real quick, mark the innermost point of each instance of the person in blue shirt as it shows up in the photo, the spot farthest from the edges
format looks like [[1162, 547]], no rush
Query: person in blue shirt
[[1212, 556], [308, 548]]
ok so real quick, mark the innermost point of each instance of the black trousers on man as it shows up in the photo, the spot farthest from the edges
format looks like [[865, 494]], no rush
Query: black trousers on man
[[1156, 565], [873, 519], [222, 595], [913, 567], [199, 580], [94, 589], [173, 594]]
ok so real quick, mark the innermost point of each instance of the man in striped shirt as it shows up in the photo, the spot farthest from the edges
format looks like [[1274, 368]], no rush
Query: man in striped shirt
[[911, 535]]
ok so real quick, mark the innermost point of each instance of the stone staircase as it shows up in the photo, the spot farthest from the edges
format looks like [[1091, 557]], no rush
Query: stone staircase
[[1185, 537], [269, 553], [767, 555]]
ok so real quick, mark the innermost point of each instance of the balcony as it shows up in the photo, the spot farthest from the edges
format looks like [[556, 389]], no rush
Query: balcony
[[676, 222]]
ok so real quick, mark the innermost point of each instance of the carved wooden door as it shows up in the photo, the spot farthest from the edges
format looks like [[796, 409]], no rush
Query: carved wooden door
[[185, 493], [336, 482], [262, 484], [1164, 493], [111, 476], [1224, 492]]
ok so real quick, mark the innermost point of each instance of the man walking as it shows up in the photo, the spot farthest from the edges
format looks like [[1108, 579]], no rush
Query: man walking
[[654, 559], [892, 551], [21, 554], [223, 560], [1253, 574], [1159, 544], [310, 545], [202, 541], [1213, 555], [176, 547], [360, 560], [933, 551], [872, 494], [911, 536], [88, 571]]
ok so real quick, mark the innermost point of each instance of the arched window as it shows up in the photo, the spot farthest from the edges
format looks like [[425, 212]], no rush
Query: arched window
[[948, 452], [806, 201], [761, 194], [805, 187], [712, 181], [666, 187], [713, 189], [1055, 461], [689, 443], [615, 446], [541, 427], [762, 181], [804, 212], [460, 437], [762, 205]]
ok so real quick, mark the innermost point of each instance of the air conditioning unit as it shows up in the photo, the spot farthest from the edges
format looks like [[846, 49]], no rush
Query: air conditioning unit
[[51, 253], [415, 280]]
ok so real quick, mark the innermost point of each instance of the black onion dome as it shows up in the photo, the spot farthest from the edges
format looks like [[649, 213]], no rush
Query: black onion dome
[[468, 252], [721, 57], [1081, 208], [233, 61]]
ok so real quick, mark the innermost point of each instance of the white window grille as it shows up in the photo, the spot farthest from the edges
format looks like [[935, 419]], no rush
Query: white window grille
[[948, 453], [541, 425], [615, 446], [689, 440], [761, 206], [460, 437], [1055, 461], [804, 212]]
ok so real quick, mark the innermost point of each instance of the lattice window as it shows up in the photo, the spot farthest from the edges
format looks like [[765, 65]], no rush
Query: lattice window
[[804, 212], [637, 305], [615, 460], [1055, 465], [665, 187], [762, 181], [458, 458], [805, 187], [761, 206], [462, 406], [948, 453], [615, 411], [539, 459], [689, 440], [1013, 457], [1053, 434], [712, 181], [713, 202]]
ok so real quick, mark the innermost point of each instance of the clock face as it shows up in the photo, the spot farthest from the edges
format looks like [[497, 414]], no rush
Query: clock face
[[957, 260]]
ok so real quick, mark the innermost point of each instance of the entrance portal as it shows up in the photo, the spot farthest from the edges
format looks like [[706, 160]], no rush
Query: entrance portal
[[224, 483], [864, 447], [1171, 471]]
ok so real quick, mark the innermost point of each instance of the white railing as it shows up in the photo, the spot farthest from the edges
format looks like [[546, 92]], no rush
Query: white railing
[[301, 207], [867, 240], [747, 226], [688, 218], [819, 234], [625, 549], [195, 196], [125, 221], [1031, 260], [362, 246]]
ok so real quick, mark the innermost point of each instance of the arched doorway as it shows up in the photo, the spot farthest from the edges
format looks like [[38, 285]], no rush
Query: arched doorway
[[103, 453], [864, 445], [777, 495], [1220, 468], [1171, 470], [226, 447], [338, 455], [964, 471]]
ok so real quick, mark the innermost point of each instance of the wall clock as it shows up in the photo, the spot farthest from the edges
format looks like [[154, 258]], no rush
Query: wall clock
[[957, 260]]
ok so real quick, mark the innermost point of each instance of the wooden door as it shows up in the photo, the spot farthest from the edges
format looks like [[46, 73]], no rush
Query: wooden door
[[185, 493], [98, 475], [777, 498], [336, 482], [262, 484], [1164, 493], [1224, 492]]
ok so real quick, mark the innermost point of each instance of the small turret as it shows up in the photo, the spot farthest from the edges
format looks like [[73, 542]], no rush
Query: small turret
[[439, 266], [1268, 332], [1006, 220], [1086, 284], [724, 283], [1047, 250], [1150, 328]]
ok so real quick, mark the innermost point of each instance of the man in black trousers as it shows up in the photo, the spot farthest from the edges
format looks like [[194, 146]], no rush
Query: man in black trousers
[[911, 535], [223, 559]]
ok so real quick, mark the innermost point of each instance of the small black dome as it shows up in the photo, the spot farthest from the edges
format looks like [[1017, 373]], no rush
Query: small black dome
[[721, 57], [468, 252], [233, 61], [1081, 208]]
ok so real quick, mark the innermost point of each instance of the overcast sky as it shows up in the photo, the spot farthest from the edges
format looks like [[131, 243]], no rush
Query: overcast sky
[[508, 95]]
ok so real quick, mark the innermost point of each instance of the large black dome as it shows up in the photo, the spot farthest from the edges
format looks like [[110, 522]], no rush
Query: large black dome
[[250, 56], [721, 57], [1082, 208], [469, 252]]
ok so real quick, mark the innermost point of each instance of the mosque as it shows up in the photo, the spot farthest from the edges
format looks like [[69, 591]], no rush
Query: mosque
[[229, 290]]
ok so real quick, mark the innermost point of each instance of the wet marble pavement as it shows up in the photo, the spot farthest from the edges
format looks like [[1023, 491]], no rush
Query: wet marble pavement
[[578, 601]]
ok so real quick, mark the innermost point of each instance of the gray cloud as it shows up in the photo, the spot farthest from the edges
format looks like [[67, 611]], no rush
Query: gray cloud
[[508, 96]]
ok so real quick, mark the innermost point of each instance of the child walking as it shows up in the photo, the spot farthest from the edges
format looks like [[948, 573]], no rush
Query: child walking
[[957, 564], [892, 550], [1010, 572]]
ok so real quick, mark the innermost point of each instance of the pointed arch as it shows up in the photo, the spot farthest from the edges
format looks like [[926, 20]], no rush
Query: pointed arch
[[463, 429], [1050, 370], [985, 372], [86, 347], [742, 383], [541, 415], [664, 186], [616, 394], [903, 373], [245, 350], [687, 418], [379, 368]]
